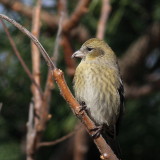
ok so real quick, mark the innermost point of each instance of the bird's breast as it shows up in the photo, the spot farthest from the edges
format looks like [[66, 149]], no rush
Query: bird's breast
[[95, 85]]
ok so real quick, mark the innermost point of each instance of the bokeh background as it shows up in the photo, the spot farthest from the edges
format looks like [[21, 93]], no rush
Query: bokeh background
[[133, 32]]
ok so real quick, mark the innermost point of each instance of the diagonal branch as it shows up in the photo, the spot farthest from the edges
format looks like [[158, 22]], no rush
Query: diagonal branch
[[105, 150], [43, 144]]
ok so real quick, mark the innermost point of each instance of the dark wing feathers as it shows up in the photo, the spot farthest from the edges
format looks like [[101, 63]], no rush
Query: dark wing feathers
[[121, 94]]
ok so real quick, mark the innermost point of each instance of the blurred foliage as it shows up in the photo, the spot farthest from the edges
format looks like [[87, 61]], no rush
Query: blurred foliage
[[139, 133]]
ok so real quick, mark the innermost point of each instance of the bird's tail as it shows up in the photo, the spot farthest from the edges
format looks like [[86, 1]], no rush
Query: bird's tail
[[112, 141]]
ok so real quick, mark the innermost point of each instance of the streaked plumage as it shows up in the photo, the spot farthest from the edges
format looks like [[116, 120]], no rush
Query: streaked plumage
[[97, 82]]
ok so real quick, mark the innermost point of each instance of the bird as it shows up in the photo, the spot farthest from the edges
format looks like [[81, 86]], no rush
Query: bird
[[99, 88]]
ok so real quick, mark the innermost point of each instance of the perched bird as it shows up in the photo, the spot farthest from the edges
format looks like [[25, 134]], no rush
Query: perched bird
[[98, 85]]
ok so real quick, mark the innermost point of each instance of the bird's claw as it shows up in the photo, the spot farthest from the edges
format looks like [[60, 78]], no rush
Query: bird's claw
[[83, 107], [97, 131]]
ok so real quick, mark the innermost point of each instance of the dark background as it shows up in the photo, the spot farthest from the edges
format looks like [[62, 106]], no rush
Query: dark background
[[129, 21]]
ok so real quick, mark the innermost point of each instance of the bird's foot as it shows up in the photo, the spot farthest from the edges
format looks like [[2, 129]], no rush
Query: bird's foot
[[97, 131], [83, 107]]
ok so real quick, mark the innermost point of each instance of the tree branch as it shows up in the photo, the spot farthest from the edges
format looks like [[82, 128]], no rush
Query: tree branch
[[33, 140], [58, 38], [106, 8], [43, 144], [105, 150], [36, 55], [31, 132], [51, 20]]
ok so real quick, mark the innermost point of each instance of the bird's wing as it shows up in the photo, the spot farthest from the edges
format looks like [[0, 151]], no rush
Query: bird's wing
[[121, 95]]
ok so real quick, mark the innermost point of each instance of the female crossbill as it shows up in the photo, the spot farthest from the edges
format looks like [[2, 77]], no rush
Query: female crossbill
[[98, 85]]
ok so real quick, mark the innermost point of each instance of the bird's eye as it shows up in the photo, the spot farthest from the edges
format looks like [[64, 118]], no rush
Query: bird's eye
[[89, 49]]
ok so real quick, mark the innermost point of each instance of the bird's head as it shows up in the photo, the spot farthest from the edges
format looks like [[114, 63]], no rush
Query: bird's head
[[92, 49]]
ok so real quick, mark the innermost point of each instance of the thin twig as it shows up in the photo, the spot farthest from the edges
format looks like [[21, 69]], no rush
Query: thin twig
[[43, 144], [103, 19], [58, 37], [50, 63], [20, 58], [49, 82]]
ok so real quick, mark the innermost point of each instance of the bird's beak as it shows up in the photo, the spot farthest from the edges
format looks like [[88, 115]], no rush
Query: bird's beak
[[77, 54]]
